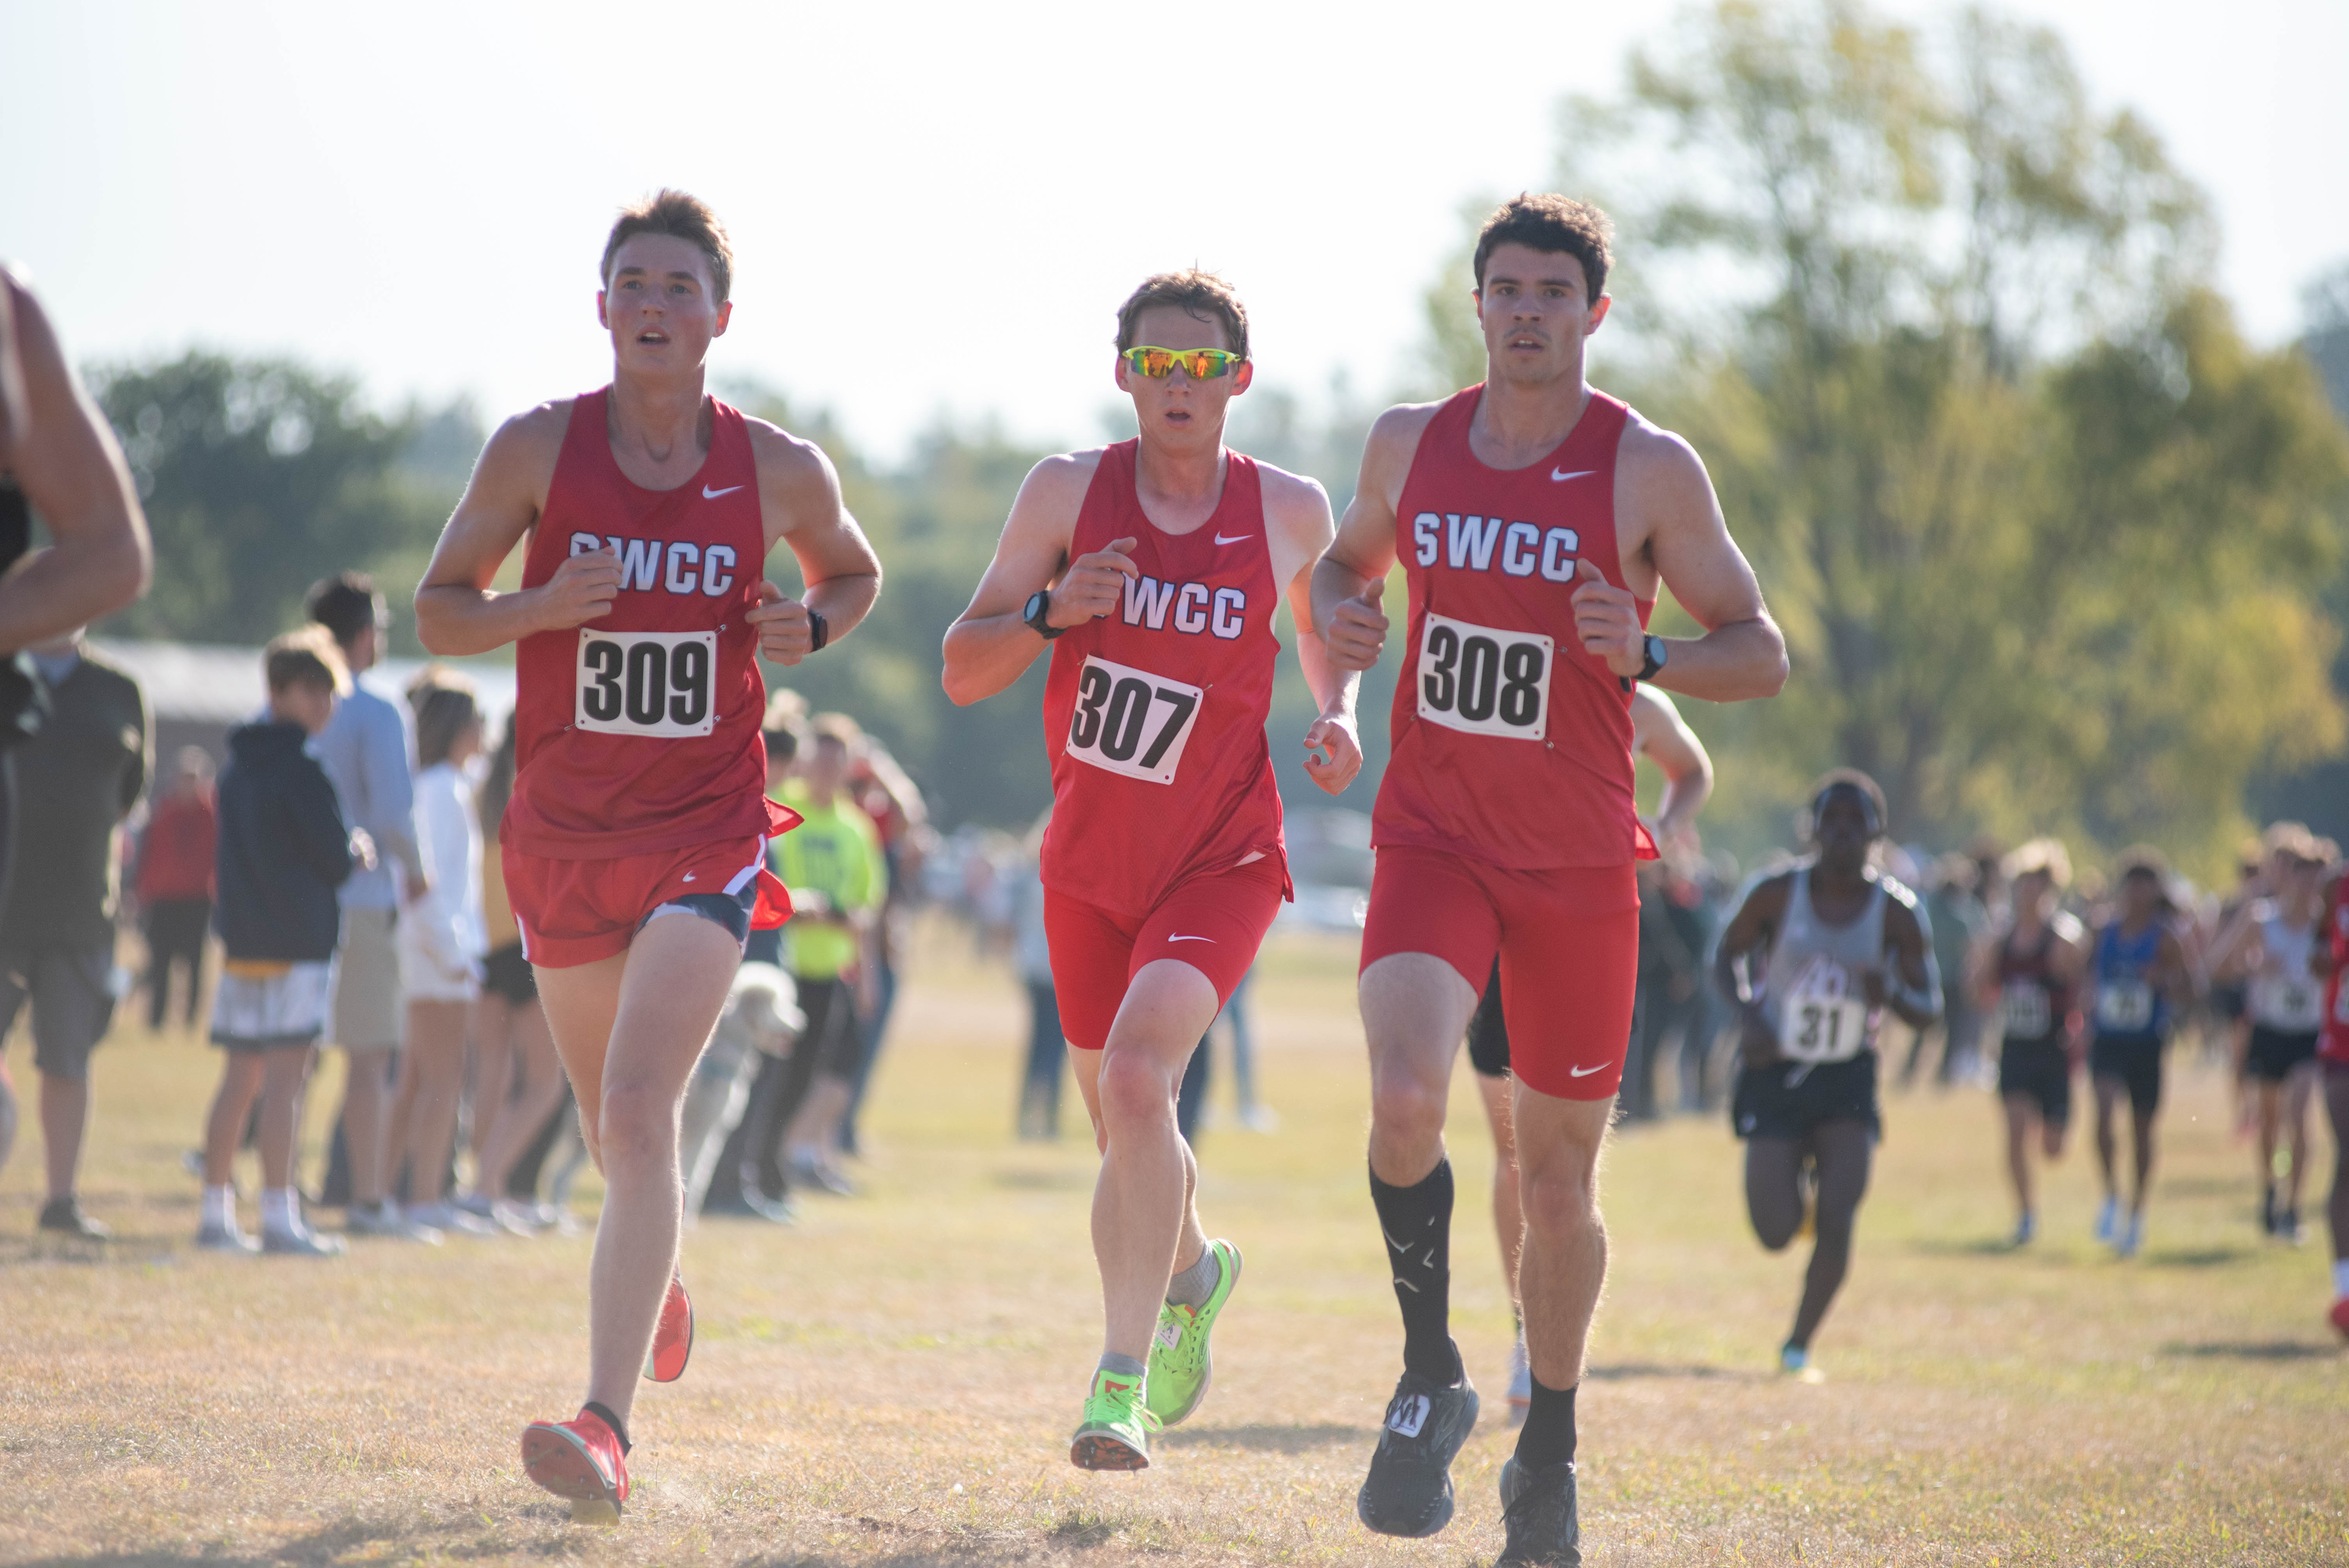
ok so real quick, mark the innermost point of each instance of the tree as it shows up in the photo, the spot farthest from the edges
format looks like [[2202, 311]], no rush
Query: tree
[[261, 476], [2039, 525]]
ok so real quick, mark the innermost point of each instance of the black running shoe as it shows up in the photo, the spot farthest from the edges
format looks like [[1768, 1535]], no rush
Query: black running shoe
[[1537, 1509], [65, 1215], [1409, 1488]]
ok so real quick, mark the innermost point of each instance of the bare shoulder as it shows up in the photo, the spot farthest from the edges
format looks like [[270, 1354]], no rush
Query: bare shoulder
[[1655, 464], [1293, 500], [1767, 901], [793, 462], [1396, 431], [1059, 482], [523, 450]]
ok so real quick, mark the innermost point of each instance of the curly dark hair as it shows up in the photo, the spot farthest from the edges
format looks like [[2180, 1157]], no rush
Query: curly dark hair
[[1557, 224]]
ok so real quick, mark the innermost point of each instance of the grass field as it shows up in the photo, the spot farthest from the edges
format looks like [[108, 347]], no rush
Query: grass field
[[893, 1380]]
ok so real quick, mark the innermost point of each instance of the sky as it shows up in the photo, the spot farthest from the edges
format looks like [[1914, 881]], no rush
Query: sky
[[935, 209]]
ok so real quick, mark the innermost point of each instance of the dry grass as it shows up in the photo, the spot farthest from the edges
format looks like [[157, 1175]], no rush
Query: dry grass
[[892, 1381]]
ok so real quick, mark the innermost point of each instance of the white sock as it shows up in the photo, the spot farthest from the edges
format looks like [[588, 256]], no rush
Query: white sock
[[281, 1210], [220, 1207], [2341, 1278]]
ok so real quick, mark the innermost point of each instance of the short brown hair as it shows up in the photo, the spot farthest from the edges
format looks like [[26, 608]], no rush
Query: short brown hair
[[680, 216], [1557, 224], [309, 657], [1201, 295], [839, 729], [445, 708]]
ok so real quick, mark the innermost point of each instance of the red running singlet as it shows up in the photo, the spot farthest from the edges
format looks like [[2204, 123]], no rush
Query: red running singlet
[[2333, 1043], [1510, 743], [1154, 713], [641, 733]]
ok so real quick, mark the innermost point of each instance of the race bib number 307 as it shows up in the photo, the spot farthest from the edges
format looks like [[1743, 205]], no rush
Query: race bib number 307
[[660, 684], [1132, 722], [1484, 681]]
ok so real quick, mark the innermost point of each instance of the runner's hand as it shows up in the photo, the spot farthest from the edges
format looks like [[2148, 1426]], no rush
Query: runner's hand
[[1333, 753], [1357, 630], [581, 590], [785, 637], [1606, 618], [363, 848], [1094, 585]]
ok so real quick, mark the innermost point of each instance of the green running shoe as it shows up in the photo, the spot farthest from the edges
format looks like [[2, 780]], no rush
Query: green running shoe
[[1117, 1426], [1180, 1367]]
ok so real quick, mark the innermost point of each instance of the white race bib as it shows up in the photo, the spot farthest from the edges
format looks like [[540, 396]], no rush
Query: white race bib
[[1484, 681], [1823, 1029], [2024, 1003], [661, 684], [2290, 1003], [1132, 722], [2124, 1006]]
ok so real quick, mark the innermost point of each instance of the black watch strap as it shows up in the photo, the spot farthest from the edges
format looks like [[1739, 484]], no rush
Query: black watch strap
[[1038, 615], [1653, 653], [819, 631]]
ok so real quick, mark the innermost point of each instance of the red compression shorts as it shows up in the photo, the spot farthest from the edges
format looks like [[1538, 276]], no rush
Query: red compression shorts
[[578, 911], [1568, 941], [1213, 922]]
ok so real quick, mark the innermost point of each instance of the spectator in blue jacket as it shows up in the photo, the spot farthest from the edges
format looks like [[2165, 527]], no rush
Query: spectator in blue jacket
[[284, 851]]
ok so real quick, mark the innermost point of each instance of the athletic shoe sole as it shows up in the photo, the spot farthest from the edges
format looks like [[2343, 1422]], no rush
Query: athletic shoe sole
[[651, 1357], [558, 1460], [1104, 1451]]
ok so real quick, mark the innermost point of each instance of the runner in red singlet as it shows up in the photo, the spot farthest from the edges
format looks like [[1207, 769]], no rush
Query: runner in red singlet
[[649, 510], [1154, 568], [1534, 517]]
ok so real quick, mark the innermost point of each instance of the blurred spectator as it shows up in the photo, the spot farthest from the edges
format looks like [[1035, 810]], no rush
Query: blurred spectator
[[517, 1079], [1047, 1065], [284, 851], [441, 948], [367, 753], [75, 782], [902, 818], [832, 864], [782, 730], [173, 884], [1959, 928], [1671, 948], [1191, 1108]]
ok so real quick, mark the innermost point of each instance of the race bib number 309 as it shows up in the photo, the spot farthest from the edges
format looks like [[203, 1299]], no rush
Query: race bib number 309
[[660, 684], [1132, 722], [1484, 681]]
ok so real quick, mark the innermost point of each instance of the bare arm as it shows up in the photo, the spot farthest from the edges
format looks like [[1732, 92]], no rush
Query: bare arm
[[1352, 572], [1658, 731], [1749, 930], [1663, 491], [989, 646], [2173, 971], [799, 495], [1916, 1001], [55, 443], [1298, 530], [456, 611]]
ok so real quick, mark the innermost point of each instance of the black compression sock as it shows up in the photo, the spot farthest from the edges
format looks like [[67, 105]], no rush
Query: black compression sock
[[603, 1413], [1547, 1438], [1417, 1224]]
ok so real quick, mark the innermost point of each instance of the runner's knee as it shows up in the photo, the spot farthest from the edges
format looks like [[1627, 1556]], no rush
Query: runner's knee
[[1134, 1088], [1559, 1200], [637, 1129]]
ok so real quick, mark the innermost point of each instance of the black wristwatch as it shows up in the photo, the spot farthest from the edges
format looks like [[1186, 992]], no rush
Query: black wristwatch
[[1657, 654], [1038, 615], [819, 632]]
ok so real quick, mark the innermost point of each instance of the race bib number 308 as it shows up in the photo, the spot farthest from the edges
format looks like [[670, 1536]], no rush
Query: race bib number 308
[[1484, 681], [1132, 722], [660, 684]]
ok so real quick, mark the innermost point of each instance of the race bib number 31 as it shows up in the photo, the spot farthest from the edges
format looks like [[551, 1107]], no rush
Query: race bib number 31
[[1484, 681], [660, 684], [1132, 722]]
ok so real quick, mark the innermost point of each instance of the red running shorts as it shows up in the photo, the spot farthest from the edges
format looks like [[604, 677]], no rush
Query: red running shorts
[[1568, 941], [578, 911], [1214, 922]]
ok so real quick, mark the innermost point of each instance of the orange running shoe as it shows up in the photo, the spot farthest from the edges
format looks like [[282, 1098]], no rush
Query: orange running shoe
[[2340, 1316], [672, 1344], [579, 1459]]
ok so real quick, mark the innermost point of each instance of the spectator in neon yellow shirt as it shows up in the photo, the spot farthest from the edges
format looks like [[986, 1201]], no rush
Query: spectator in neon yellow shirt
[[833, 866]]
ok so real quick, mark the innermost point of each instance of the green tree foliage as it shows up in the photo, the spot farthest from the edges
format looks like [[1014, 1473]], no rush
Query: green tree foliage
[[261, 476], [2041, 527]]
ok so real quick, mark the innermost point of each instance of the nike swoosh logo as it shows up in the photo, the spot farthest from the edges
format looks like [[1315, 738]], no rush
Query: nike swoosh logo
[[1585, 1072], [687, 877], [1579, 473], [707, 494], [1231, 539], [1190, 939]]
